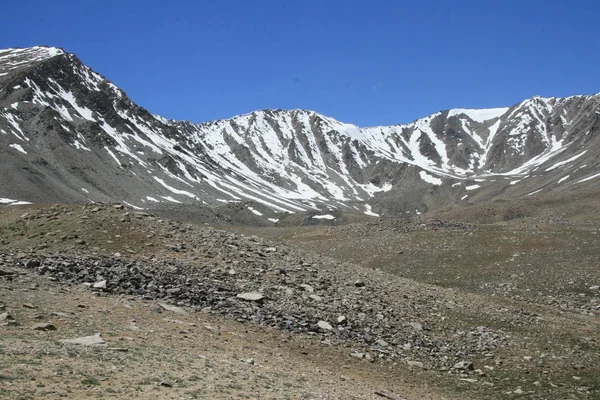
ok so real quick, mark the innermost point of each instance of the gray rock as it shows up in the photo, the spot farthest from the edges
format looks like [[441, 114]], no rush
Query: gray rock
[[416, 326], [45, 326], [307, 288], [99, 285], [251, 296], [326, 326], [7, 319], [464, 366], [172, 308]]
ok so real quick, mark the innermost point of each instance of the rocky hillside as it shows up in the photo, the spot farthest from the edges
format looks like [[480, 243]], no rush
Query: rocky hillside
[[67, 134]]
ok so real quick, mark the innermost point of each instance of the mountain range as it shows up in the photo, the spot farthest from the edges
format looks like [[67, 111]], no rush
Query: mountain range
[[67, 134]]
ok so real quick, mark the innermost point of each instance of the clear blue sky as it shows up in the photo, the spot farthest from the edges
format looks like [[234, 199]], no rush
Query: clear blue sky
[[366, 62]]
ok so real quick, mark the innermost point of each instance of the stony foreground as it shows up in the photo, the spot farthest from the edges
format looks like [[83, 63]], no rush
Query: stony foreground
[[484, 347]]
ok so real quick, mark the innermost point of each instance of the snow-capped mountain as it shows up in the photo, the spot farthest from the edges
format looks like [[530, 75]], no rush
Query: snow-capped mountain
[[69, 134]]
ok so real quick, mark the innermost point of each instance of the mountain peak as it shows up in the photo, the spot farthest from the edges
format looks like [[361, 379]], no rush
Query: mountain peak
[[14, 58]]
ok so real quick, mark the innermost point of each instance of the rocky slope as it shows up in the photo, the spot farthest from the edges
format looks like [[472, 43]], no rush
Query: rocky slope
[[68, 134]]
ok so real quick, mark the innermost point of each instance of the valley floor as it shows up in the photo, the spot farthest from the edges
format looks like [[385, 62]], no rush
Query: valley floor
[[432, 309]]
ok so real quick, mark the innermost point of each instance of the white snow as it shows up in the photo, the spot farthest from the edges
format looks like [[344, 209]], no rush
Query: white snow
[[17, 147], [169, 198], [174, 190], [152, 199], [479, 115], [561, 180], [84, 190], [255, 211], [369, 211], [561, 163], [430, 179], [464, 197], [11, 202], [113, 156], [588, 178], [326, 216], [133, 206], [273, 220], [472, 187]]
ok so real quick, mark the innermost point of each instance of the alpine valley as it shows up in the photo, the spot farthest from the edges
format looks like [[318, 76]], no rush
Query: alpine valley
[[287, 255]]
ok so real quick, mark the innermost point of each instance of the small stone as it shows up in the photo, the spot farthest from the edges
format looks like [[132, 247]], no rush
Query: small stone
[[382, 343], [251, 296], [175, 309], [342, 320], [315, 297], [29, 305], [250, 361], [46, 326], [307, 288], [326, 326], [464, 365], [594, 287], [469, 380], [7, 319], [99, 285], [416, 326], [166, 384], [518, 391], [415, 364], [359, 283]]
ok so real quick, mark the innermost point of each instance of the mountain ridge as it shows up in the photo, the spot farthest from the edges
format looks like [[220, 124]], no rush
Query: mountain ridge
[[289, 160]]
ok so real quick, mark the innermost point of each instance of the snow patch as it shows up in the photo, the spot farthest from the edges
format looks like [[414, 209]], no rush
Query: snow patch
[[561, 180], [255, 211], [430, 179], [17, 147], [479, 115], [326, 216], [588, 178]]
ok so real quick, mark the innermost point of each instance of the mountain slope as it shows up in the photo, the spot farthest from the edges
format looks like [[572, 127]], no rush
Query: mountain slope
[[69, 134]]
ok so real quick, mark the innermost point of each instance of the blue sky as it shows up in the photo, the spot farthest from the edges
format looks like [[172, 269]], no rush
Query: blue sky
[[364, 62]]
